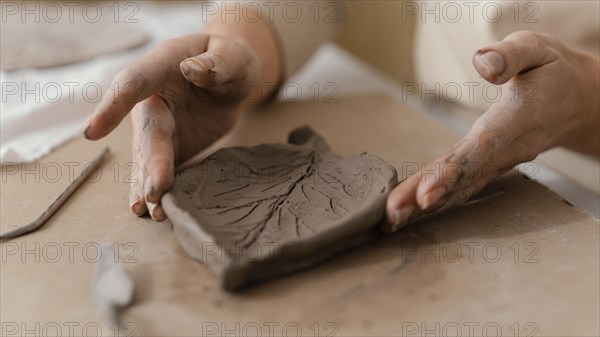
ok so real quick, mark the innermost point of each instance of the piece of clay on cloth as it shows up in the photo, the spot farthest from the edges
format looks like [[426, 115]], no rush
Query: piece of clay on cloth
[[34, 41], [253, 213]]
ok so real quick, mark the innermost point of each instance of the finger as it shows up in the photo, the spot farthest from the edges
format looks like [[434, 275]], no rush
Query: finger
[[494, 143], [449, 181], [137, 202], [517, 53], [523, 149], [156, 212], [224, 61], [138, 81], [155, 128], [401, 205], [452, 177], [439, 178]]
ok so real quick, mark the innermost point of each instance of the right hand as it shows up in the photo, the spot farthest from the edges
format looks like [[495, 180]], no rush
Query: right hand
[[183, 96]]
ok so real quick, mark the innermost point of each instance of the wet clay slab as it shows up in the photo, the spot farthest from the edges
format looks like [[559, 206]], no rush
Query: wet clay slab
[[253, 213]]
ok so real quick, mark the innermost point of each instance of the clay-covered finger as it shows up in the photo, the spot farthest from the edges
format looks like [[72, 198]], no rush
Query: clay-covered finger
[[437, 179], [137, 202], [401, 205], [450, 176], [440, 177], [225, 61], [140, 80], [156, 212], [155, 128], [518, 52]]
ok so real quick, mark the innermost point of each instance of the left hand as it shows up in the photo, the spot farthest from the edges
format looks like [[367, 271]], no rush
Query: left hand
[[549, 98]]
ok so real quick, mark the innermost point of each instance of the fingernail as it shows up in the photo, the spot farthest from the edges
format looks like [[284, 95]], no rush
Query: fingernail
[[156, 212], [86, 134], [136, 208], [159, 214], [491, 62], [401, 215], [200, 63], [206, 61], [191, 66], [433, 196], [152, 209]]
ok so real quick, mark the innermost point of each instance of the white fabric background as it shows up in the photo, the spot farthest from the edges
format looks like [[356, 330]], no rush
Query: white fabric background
[[33, 123]]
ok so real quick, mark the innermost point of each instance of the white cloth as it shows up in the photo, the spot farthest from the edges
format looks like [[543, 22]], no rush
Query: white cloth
[[449, 33], [42, 109]]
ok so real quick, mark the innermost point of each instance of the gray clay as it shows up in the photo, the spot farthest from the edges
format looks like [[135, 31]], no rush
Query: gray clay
[[253, 213]]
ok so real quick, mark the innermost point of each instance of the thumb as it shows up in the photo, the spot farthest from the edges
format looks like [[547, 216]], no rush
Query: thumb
[[224, 61], [517, 53]]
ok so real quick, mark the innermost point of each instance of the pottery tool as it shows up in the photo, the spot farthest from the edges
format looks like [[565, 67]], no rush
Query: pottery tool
[[112, 290], [41, 220]]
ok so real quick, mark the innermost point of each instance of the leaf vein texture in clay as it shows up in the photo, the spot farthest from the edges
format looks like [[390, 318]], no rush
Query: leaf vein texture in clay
[[254, 213]]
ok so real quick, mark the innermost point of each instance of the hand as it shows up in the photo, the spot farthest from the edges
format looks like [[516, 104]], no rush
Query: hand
[[549, 98], [183, 95]]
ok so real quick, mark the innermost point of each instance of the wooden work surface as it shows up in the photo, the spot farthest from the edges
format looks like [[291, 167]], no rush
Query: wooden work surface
[[522, 263]]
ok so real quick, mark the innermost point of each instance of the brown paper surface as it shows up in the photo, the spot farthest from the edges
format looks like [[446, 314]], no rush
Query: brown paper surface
[[520, 263]]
